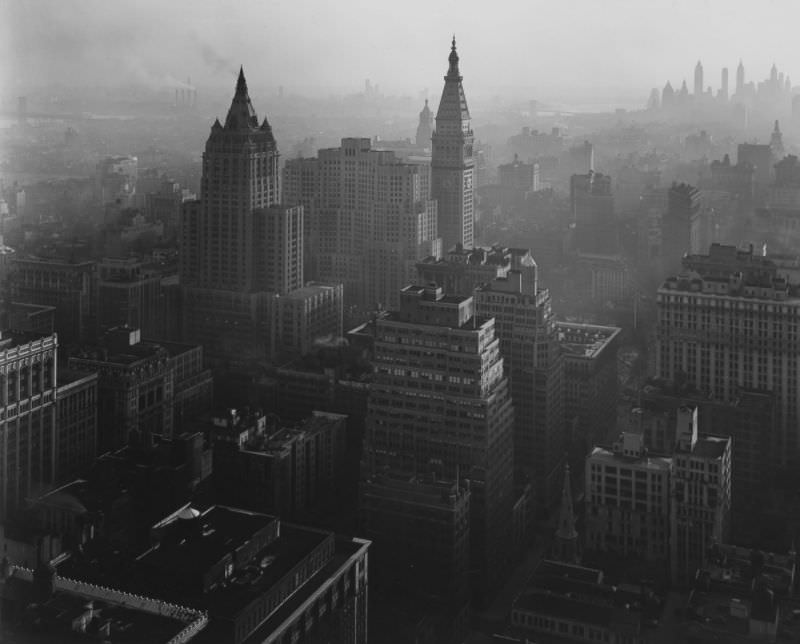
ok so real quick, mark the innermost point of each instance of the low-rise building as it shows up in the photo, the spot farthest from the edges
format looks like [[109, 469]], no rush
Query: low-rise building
[[627, 500]]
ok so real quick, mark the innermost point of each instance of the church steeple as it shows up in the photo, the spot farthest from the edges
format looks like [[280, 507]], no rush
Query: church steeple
[[565, 547]]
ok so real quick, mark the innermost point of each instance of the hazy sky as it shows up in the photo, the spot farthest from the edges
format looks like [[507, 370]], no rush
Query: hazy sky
[[561, 47]]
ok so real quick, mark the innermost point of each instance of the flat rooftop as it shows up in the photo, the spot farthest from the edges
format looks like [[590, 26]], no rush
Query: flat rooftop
[[710, 446], [650, 462], [224, 530], [586, 340], [136, 620]]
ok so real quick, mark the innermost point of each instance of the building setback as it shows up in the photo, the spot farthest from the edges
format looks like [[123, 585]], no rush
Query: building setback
[[239, 247], [439, 405], [528, 343]]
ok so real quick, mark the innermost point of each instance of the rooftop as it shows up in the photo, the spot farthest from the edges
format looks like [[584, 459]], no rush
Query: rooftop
[[223, 530], [586, 340], [81, 611], [710, 446]]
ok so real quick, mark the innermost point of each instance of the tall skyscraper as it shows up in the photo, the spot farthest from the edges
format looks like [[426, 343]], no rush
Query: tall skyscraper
[[535, 366], [723, 91], [440, 406], [425, 127], [698, 79], [453, 162], [239, 247], [740, 78], [369, 219]]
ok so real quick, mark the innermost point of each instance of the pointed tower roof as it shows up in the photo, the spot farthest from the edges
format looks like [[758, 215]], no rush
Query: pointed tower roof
[[241, 115], [426, 111], [453, 105]]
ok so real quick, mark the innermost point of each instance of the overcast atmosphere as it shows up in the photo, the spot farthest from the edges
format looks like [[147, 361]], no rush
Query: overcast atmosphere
[[617, 47]]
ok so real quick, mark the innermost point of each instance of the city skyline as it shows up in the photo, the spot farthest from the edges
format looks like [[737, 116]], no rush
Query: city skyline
[[156, 46]]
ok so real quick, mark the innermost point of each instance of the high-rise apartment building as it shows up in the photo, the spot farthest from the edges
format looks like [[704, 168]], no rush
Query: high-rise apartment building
[[453, 161], [525, 325], [239, 247], [440, 406], [730, 321], [369, 219]]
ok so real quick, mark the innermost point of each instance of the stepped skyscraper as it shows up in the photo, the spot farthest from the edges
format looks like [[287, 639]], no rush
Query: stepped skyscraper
[[452, 162], [240, 250]]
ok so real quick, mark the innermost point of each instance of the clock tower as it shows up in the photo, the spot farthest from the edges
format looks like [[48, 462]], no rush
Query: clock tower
[[452, 162]]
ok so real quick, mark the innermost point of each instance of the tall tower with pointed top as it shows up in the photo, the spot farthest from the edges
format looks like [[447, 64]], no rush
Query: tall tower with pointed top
[[565, 546], [740, 78], [425, 127], [238, 246], [776, 142], [452, 162], [698, 79]]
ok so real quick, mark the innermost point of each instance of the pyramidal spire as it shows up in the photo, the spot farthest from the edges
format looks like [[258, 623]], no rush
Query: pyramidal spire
[[241, 83], [241, 114]]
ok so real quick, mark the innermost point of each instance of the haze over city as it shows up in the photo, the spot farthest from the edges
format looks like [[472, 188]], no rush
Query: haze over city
[[573, 50], [399, 323]]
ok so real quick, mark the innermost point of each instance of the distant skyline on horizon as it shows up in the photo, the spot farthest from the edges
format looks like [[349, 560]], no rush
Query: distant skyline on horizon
[[595, 52]]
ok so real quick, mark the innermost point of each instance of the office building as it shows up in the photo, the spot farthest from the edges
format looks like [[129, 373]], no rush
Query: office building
[[369, 219], [439, 405], [285, 469], [28, 429], [76, 423], [723, 89], [129, 293], [453, 161], [144, 388], [461, 269], [305, 317], [760, 157], [590, 380], [628, 500], [731, 324], [525, 326], [681, 226], [68, 286], [239, 247], [737, 180], [592, 209], [701, 495]]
